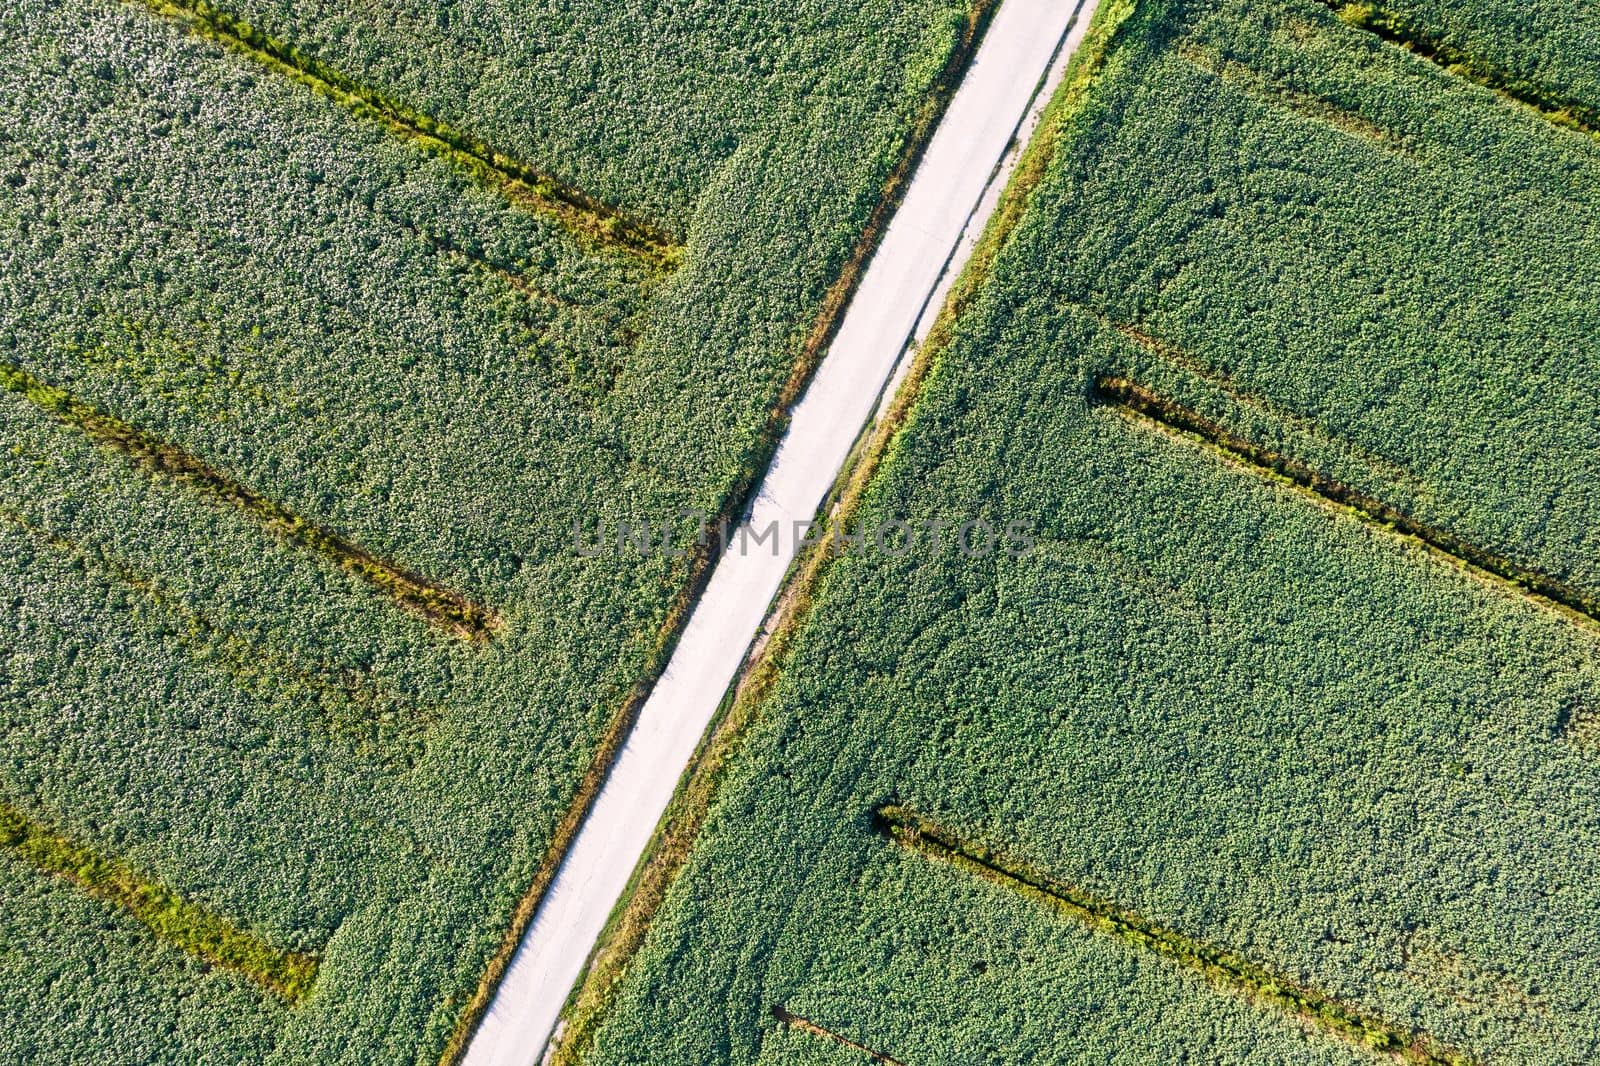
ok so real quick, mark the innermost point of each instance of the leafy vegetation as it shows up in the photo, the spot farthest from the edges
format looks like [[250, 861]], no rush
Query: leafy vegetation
[[1403, 30], [1135, 398], [466, 618], [1217, 963], [1542, 52], [805, 1025], [1210, 708], [242, 316]]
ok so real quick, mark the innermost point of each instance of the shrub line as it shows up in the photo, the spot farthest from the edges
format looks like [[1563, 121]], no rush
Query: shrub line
[[1402, 30], [1221, 965], [806, 1025], [439, 605], [1141, 401], [595, 223], [171, 918]]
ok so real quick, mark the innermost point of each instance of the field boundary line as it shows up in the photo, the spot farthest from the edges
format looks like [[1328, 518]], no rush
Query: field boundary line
[[437, 604], [1170, 416], [1174, 356], [806, 1025], [1220, 965], [1403, 31], [834, 303], [596, 224], [702, 780], [169, 917]]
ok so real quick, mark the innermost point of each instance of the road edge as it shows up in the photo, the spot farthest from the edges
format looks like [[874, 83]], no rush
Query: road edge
[[835, 301]]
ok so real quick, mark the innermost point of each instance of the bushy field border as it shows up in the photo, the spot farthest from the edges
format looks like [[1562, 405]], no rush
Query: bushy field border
[[170, 917], [441, 606], [681, 824], [1400, 29], [1141, 402], [1218, 964], [806, 1025], [596, 224]]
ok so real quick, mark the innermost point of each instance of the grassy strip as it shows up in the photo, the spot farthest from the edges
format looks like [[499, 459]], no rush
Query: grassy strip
[[806, 1025], [683, 820], [1219, 964], [1139, 400], [1398, 28], [171, 918], [439, 605], [596, 224], [835, 301]]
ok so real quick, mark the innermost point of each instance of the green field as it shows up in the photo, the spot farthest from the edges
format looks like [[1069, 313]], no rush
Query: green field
[[314, 346], [1280, 747]]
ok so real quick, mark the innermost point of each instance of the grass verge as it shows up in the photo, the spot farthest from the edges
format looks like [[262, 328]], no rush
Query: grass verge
[[815, 346], [684, 818]]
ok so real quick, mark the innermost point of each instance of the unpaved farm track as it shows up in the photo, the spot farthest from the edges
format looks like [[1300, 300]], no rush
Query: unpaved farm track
[[967, 162]]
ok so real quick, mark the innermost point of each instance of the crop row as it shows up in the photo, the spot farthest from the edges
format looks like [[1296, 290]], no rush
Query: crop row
[[1220, 964], [1298, 101], [352, 704], [173, 919], [588, 219], [439, 605], [1310, 748], [1133, 397], [1401, 29]]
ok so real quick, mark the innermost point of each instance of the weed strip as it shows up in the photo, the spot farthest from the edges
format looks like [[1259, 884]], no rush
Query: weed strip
[[184, 925]]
